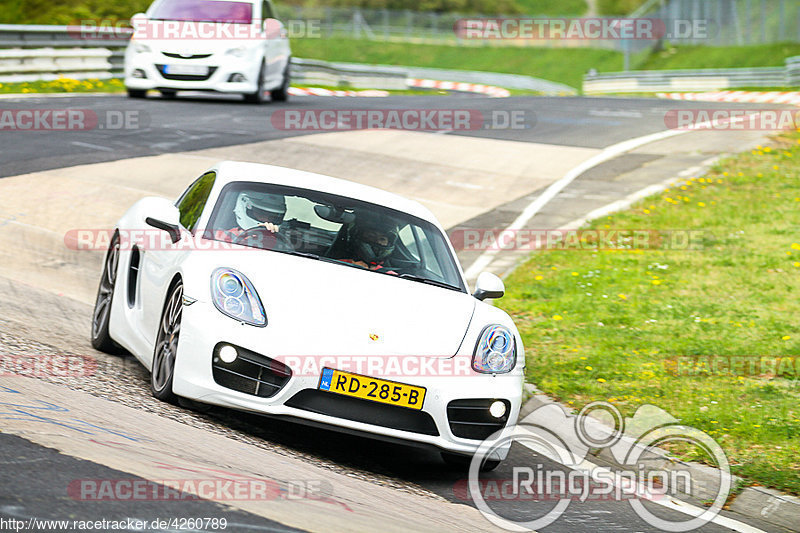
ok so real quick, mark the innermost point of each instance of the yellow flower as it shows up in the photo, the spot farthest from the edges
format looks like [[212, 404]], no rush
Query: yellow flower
[[756, 425], [656, 282], [589, 368], [759, 175], [785, 338], [795, 246], [684, 187], [646, 211], [601, 380], [558, 317], [539, 278], [796, 264], [774, 167], [767, 149], [622, 296], [553, 268], [575, 274], [651, 206], [701, 204]]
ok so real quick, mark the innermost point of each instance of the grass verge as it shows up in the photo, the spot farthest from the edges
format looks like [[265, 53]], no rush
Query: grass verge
[[64, 85], [616, 325]]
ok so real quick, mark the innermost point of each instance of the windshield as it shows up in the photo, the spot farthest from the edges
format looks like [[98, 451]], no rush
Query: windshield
[[204, 11], [336, 229]]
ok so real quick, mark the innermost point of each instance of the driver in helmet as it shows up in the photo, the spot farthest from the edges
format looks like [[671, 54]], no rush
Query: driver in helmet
[[370, 242], [258, 210]]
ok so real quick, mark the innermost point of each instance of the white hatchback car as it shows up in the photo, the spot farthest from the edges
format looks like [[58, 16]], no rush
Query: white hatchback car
[[293, 294], [225, 46]]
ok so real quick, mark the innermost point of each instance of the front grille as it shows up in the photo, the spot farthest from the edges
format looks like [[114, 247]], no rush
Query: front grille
[[185, 77], [358, 410], [179, 56], [250, 373], [470, 419]]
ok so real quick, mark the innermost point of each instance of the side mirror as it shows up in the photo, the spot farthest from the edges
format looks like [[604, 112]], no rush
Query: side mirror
[[162, 214], [489, 286]]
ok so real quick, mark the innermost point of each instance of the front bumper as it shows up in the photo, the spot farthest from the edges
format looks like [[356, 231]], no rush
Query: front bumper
[[203, 328], [221, 68]]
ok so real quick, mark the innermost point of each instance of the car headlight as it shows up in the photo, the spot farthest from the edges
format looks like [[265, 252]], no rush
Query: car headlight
[[234, 295], [496, 351], [239, 51], [140, 48]]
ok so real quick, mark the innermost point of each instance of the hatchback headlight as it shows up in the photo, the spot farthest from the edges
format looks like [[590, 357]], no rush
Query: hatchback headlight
[[496, 351], [235, 296]]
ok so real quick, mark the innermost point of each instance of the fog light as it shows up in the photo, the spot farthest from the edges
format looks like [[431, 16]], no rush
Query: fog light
[[236, 78], [228, 354], [497, 409], [138, 73]]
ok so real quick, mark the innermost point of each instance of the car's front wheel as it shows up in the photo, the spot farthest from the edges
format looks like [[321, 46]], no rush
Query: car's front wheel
[[281, 94], [163, 371], [101, 317]]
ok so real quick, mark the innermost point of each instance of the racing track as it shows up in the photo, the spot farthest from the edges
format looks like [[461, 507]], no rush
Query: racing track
[[60, 181]]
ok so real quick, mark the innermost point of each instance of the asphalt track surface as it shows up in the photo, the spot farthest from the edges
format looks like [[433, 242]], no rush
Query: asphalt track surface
[[193, 123]]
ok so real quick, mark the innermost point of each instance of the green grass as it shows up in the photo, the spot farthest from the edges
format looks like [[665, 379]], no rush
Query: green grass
[[555, 64], [609, 325], [763, 55], [64, 85], [564, 8]]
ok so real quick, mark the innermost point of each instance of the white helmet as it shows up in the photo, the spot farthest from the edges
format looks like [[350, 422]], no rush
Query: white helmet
[[254, 208]]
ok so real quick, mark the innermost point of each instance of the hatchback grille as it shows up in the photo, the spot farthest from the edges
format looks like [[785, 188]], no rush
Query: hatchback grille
[[193, 56]]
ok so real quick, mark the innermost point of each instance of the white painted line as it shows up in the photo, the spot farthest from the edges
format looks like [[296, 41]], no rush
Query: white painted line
[[485, 259], [14, 96], [93, 146]]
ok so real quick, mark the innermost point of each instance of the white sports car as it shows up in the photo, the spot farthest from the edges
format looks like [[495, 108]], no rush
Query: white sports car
[[299, 295]]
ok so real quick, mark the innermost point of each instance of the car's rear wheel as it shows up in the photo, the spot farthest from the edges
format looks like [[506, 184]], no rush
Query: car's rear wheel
[[167, 93], [258, 96], [281, 94], [101, 317], [462, 462], [136, 93], [163, 371]]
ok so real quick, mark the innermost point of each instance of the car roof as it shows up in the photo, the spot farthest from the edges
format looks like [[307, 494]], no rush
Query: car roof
[[232, 171]]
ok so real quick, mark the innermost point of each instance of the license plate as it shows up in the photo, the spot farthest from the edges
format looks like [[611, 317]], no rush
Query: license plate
[[367, 388], [186, 70]]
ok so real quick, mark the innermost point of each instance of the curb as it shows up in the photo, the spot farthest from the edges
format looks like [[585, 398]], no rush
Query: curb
[[752, 97]]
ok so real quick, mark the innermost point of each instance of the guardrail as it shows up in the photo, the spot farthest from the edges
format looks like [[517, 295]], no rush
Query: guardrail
[[647, 81], [43, 52]]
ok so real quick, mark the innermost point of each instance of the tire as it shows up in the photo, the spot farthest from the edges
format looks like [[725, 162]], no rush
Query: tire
[[461, 462], [258, 96], [137, 93], [101, 316], [168, 94], [169, 327], [281, 94]]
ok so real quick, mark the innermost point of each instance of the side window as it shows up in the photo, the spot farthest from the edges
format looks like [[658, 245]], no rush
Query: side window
[[407, 238], [193, 201]]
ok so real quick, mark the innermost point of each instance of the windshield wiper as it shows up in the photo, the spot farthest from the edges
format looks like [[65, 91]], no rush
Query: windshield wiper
[[430, 282]]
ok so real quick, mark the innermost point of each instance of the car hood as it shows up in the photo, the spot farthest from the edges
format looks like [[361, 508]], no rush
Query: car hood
[[319, 308]]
